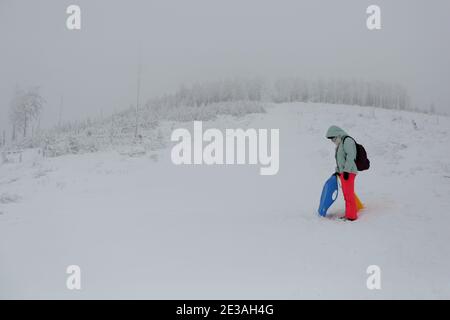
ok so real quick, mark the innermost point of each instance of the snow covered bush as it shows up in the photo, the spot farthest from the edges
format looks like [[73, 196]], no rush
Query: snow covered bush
[[206, 112]]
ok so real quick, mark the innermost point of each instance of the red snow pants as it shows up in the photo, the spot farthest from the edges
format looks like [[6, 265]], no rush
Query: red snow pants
[[348, 188]]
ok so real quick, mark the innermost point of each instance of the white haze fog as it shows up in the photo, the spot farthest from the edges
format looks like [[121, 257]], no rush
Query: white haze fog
[[94, 69], [214, 187]]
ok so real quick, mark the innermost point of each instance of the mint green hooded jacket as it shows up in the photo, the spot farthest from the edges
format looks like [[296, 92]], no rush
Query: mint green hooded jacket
[[345, 152]]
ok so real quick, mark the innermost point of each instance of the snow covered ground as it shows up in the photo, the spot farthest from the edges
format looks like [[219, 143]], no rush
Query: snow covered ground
[[140, 227]]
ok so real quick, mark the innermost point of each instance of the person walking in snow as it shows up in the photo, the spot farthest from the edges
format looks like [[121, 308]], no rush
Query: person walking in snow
[[346, 168]]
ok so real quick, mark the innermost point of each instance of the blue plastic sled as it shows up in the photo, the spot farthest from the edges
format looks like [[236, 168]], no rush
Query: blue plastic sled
[[329, 195]]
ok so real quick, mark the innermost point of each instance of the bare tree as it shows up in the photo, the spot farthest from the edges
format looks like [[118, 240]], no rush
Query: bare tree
[[138, 91], [3, 141], [25, 107]]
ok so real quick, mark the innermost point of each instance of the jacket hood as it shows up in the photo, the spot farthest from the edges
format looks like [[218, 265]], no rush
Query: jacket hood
[[335, 131]]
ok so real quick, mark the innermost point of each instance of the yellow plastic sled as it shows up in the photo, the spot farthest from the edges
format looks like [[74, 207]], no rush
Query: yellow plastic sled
[[359, 204]]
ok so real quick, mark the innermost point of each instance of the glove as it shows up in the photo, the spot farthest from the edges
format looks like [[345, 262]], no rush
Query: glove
[[346, 174]]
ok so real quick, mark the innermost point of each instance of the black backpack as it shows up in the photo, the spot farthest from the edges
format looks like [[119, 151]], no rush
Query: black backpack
[[361, 160]]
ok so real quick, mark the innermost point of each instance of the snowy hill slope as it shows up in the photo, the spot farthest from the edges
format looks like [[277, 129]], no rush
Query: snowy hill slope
[[140, 227]]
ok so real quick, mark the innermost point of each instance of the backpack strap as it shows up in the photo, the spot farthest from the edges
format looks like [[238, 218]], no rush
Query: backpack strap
[[356, 143], [343, 139]]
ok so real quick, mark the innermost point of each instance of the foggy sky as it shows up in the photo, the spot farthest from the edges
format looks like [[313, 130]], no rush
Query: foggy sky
[[184, 41]]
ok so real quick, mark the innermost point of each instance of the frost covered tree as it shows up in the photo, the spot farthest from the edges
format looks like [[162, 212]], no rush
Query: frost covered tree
[[3, 139], [342, 91], [26, 106], [432, 109]]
